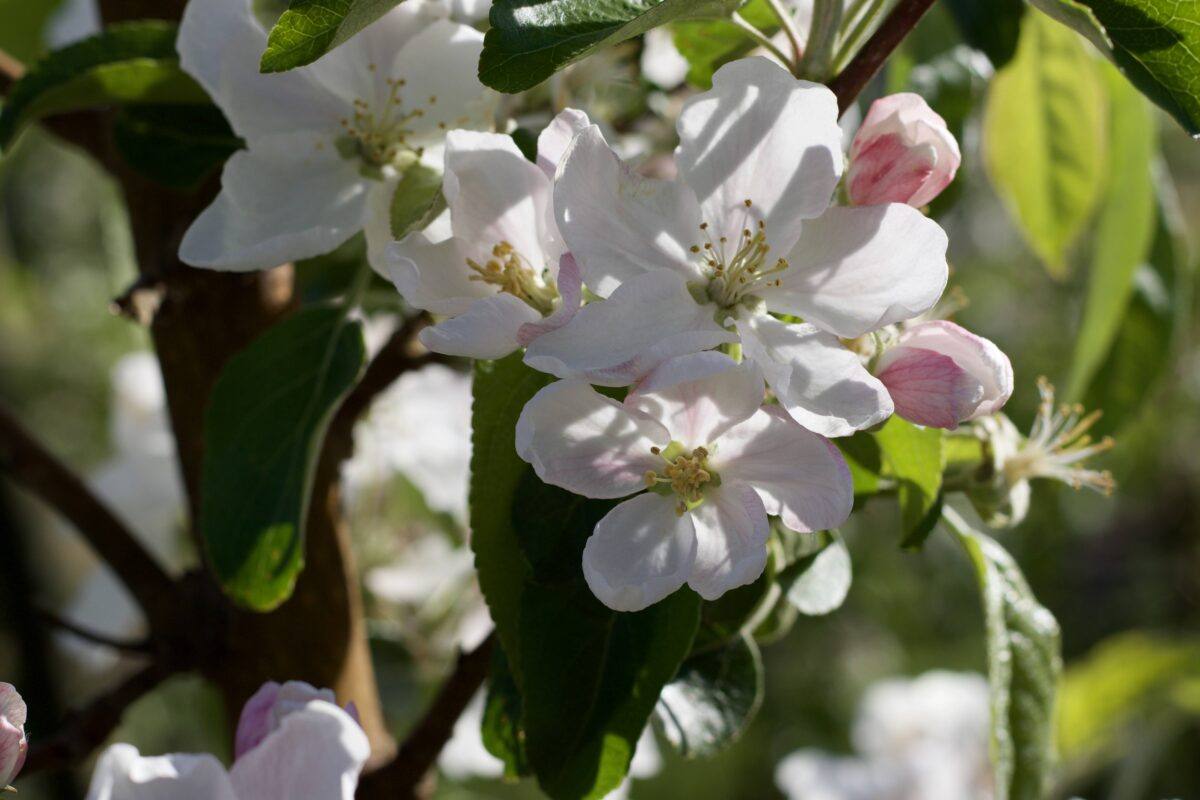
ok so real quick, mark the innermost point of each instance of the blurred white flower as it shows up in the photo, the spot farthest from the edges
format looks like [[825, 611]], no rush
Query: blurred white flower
[[71, 21], [924, 738], [662, 63]]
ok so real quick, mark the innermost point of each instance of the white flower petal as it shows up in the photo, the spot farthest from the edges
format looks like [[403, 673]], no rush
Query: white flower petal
[[798, 474], [731, 539], [124, 774], [290, 196], [433, 276], [763, 135], [855, 270], [614, 342], [553, 142], [440, 67], [581, 440], [495, 195], [821, 383], [699, 396], [641, 552], [570, 291], [982, 359], [315, 754], [489, 329], [377, 224], [619, 224]]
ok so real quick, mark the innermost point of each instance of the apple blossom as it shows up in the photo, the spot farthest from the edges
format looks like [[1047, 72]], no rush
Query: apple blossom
[[759, 157], [503, 277], [326, 143], [715, 461], [13, 745], [313, 751], [939, 374], [903, 153], [266, 709]]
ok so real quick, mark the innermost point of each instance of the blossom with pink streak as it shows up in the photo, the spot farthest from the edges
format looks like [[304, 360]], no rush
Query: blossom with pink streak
[[13, 745], [902, 153]]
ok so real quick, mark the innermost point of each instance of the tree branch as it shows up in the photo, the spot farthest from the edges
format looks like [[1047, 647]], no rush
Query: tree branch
[[11, 71], [400, 778], [40, 472], [83, 731], [398, 356], [142, 646], [867, 61]]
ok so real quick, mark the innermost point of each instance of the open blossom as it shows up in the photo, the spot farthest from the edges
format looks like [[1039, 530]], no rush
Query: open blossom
[[13, 745], [715, 463], [747, 233], [940, 374], [325, 143], [503, 277], [313, 750], [902, 153], [265, 711]]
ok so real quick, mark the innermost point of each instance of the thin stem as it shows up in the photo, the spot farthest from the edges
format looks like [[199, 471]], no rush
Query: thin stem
[[143, 646], [41, 473], [763, 40], [822, 34], [850, 41], [867, 61], [788, 23]]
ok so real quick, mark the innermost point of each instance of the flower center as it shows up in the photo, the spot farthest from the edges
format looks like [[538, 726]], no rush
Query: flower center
[[737, 270], [379, 135], [510, 272], [1058, 444], [684, 474]]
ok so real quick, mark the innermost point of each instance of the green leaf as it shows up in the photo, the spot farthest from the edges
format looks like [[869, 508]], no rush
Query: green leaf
[[311, 28], [865, 461], [591, 676], [133, 63], [263, 431], [418, 199], [708, 44], [503, 735], [1043, 138], [1024, 663], [1155, 44], [819, 580], [712, 700], [500, 391], [992, 26], [1124, 231], [177, 146], [530, 41], [915, 457]]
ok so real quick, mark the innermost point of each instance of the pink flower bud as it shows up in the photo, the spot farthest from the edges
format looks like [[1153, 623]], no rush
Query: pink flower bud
[[902, 153], [13, 745], [939, 374], [270, 704]]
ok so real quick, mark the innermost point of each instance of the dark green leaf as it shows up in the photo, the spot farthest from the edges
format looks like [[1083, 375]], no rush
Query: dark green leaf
[[503, 735], [1024, 663], [530, 40], [311, 28], [708, 44], [178, 146], [712, 700], [992, 26], [128, 64], [1155, 43], [418, 199], [915, 458], [818, 581], [262, 434]]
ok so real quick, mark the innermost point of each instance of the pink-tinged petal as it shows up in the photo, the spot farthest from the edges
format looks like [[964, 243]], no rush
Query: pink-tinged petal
[[570, 293], [619, 224], [433, 276], [489, 329], [698, 397], [641, 552], [587, 443], [124, 774], [822, 384], [315, 754], [760, 134], [731, 539], [929, 388], [798, 474], [13, 745], [902, 153], [495, 195], [979, 357], [255, 722], [855, 270], [554, 141], [614, 342]]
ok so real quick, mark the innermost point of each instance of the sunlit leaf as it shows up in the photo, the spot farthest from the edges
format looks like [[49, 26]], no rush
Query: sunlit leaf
[[311, 28], [914, 458]]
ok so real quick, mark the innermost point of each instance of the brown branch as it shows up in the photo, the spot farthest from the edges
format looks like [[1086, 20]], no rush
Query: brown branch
[[400, 778], [870, 57], [11, 71], [399, 355], [37, 470], [139, 646], [84, 730]]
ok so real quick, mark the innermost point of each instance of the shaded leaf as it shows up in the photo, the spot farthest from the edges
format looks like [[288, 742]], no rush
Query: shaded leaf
[[712, 700], [1043, 138], [177, 146], [503, 735], [992, 26], [417, 199], [530, 41], [311, 28], [263, 431]]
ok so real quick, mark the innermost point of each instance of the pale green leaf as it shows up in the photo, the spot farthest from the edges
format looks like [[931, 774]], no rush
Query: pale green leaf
[[417, 199], [311, 28], [915, 458]]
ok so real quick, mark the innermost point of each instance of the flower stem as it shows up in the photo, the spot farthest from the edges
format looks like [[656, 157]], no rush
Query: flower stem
[[867, 61], [762, 39], [818, 55], [851, 40], [788, 23]]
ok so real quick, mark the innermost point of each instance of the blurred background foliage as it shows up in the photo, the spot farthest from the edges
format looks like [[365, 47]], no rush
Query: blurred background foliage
[[1121, 574]]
